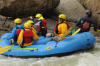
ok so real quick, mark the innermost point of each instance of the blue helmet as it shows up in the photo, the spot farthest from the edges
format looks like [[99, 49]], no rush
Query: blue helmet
[[89, 13]]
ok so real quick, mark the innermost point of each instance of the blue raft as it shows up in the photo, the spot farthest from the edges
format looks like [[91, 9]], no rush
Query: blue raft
[[44, 47]]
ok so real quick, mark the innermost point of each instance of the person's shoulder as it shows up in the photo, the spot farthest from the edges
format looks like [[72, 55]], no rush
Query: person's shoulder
[[63, 24], [82, 17], [20, 26], [44, 20], [18, 30]]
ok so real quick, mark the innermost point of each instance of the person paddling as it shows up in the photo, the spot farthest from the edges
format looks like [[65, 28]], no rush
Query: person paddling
[[41, 24], [32, 27], [61, 26], [18, 23], [86, 22], [26, 36]]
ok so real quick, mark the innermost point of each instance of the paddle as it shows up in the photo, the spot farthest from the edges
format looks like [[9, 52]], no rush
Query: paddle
[[4, 49], [77, 31], [61, 38], [25, 48], [70, 31], [98, 29]]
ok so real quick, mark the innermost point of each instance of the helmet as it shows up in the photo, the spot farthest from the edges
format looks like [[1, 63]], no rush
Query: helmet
[[62, 16], [18, 20], [38, 15], [30, 21], [89, 13], [27, 25]]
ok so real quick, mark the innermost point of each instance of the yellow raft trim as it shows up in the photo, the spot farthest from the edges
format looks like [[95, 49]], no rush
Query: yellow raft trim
[[48, 48]]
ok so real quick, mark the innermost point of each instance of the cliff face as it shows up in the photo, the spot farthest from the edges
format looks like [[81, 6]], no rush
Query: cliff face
[[24, 8], [74, 9], [5, 3]]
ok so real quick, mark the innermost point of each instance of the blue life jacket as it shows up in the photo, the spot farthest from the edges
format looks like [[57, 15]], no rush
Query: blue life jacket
[[14, 31]]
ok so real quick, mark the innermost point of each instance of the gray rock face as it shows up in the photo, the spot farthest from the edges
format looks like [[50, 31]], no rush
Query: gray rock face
[[72, 8], [24, 8]]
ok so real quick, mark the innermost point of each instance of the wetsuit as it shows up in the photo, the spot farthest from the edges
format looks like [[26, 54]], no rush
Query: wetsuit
[[83, 20]]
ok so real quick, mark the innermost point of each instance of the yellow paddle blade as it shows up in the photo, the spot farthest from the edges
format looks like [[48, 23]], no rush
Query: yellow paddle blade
[[20, 37], [1, 39], [4, 49], [78, 30], [98, 30], [25, 48]]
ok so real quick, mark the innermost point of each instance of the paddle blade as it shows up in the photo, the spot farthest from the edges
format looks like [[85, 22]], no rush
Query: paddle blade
[[98, 30], [4, 49], [78, 30]]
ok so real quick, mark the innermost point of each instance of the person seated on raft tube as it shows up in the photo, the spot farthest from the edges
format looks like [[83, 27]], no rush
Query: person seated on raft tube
[[18, 23], [26, 36], [41, 24], [86, 22], [61, 27]]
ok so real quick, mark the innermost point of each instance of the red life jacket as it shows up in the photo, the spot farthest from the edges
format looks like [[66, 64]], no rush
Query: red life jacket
[[18, 31], [56, 28], [85, 26], [68, 25], [44, 22], [28, 35]]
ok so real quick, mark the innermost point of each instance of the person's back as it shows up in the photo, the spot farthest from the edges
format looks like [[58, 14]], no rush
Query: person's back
[[18, 22], [17, 27], [26, 36], [41, 24]]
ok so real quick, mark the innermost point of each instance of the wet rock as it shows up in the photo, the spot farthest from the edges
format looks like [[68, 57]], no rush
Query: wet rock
[[24, 8]]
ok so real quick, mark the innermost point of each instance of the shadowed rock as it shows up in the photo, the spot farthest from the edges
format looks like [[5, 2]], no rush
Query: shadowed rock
[[24, 8], [72, 8]]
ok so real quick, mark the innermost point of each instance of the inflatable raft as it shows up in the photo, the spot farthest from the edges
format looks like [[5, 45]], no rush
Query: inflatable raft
[[44, 47]]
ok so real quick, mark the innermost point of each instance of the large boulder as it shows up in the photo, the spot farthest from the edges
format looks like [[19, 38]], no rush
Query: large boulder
[[24, 8], [93, 5], [72, 8]]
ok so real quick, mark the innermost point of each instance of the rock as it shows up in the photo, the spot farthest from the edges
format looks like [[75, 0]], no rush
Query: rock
[[2, 18], [24, 8], [72, 8], [93, 5]]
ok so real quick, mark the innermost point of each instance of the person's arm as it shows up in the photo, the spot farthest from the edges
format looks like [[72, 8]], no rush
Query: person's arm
[[78, 24], [14, 32], [35, 36], [94, 25]]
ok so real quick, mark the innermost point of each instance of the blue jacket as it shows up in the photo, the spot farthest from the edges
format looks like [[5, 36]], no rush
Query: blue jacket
[[88, 19], [14, 31]]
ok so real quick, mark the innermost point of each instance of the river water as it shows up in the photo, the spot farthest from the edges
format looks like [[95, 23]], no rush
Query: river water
[[82, 58]]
